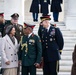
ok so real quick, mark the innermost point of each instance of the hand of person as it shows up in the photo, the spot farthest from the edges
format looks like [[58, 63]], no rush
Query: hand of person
[[37, 65], [7, 63], [19, 62]]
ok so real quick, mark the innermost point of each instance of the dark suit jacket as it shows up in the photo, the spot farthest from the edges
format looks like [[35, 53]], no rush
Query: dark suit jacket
[[56, 5], [34, 6], [44, 6]]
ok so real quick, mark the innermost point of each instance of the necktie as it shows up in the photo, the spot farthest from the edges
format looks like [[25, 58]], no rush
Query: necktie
[[46, 30]]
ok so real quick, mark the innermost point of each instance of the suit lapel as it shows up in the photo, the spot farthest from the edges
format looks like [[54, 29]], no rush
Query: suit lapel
[[10, 42]]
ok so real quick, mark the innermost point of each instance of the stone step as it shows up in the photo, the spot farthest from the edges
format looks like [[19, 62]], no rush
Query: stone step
[[65, 53], [69, 41], [70, 45], [68, 48], [65, 68], [69, 35], [66, 63], [68, 32], [60, 73], [66, 57], [64, 73], [63, 31]]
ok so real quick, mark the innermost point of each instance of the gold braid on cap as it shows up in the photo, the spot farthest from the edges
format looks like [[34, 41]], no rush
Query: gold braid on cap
[[45, 19]]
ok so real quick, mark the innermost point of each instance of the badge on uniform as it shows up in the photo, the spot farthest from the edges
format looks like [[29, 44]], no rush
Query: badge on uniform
[[20, 27], [31, 41], [52, 32], [50, 39]]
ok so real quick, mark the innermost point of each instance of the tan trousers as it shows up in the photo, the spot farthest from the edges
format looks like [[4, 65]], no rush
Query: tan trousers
[[10, 71]]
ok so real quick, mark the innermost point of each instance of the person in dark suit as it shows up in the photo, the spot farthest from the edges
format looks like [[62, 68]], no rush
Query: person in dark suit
[[44, 6], [52, 45], [30, 51], [56, 8], [35, 9]]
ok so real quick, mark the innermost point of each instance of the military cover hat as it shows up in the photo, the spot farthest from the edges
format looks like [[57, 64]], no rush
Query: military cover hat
[[45, 17], [28, 25], [15, 16]]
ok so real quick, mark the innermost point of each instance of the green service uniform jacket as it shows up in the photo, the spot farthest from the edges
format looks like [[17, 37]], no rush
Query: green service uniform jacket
[[30, 51]]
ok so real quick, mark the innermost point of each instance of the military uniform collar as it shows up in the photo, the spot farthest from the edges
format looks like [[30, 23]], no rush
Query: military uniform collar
[[48, 27], [29, 35]]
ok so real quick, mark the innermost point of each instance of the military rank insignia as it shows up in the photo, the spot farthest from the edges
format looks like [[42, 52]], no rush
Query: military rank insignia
[[20, 27], [52, 32], [31, 40]]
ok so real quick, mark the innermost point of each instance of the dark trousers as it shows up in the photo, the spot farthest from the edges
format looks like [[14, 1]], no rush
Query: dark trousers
[[35, 16], [29, 69], [55, 16], [50, 68]]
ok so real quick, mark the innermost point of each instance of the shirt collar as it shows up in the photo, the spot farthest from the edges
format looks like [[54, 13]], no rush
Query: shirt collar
[[29, 35], [48, 27]]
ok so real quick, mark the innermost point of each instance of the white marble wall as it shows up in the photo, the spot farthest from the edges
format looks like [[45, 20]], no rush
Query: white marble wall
[[65, 8], [14, 6], [1, 6], [70, 19]]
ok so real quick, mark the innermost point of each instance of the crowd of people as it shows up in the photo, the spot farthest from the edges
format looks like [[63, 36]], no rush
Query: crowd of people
[[42, 6], [20, 46]]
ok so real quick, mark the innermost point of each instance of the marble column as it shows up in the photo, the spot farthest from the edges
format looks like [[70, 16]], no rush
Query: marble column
[[1, 6], [71, 15], [14, 6]]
